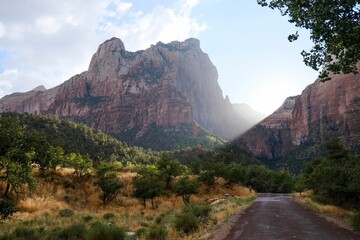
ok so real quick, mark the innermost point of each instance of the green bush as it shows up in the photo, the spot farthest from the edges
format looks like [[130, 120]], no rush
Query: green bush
[[355, 221], [73, 232], [186, 222], [200, 210], [105, 232], [156, 232], [28, 233], [66, 212], [7, 209]]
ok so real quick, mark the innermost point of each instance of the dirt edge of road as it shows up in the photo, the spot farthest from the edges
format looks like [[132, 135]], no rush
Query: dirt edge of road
[[219, 232]]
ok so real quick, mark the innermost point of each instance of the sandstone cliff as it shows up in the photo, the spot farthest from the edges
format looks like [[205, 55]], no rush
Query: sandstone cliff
[[166, 85], [323, 111], [271, 138]]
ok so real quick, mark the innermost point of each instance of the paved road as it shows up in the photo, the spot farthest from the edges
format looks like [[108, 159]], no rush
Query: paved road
[[276, 216]]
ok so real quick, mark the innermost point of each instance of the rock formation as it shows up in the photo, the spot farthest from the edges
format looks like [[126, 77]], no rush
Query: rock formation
[[165, 85], [322, 112]]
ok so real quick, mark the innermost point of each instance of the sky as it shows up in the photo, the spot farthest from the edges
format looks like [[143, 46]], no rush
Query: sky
[[46, 42]]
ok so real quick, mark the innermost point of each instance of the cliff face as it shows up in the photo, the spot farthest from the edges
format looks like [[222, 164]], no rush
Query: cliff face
[[165, 85], [271, 138], [323, 111]]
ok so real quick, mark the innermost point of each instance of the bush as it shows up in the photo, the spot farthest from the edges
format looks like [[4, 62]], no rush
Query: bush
[[105, 232], [87, 218], [28, 233], [7, 209], [200, 210], [186, 222], [355, 221], [66, 212], [73, 232], [156, 232]]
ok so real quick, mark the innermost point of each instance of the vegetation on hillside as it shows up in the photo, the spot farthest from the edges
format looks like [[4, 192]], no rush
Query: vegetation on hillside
[[169, 139], [45, 166]]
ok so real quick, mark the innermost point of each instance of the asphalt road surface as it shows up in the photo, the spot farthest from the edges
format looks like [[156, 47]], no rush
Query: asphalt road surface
[[278, 216]]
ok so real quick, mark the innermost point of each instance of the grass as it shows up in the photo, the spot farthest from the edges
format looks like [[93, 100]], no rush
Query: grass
[[328, 210], [40, 209]]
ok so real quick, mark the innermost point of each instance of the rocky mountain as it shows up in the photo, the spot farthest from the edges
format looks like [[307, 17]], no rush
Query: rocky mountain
[[303, 123], [167, 87]]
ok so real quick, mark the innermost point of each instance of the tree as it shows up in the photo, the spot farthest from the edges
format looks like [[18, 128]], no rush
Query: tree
[[168, 169], [15, 160], [334, 28], [186, 187], [235, 174], [335, 177], [108, 182], [258, 178], [148, 185], [81, 164]]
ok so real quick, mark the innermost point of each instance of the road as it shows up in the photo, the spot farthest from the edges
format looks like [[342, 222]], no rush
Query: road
[[278, 216]]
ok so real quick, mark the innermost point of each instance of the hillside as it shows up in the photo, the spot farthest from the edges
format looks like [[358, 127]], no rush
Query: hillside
[[44, 132]]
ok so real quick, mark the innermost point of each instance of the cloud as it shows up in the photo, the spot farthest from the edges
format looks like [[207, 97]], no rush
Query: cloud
[[55, 40]]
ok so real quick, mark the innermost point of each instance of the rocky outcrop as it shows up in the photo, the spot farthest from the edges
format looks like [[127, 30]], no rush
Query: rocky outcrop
[[271, 138], [165, 85], [322, 112]]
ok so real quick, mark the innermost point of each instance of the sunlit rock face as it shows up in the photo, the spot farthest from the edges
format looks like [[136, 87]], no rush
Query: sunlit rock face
[[165, 85], [322, 112]]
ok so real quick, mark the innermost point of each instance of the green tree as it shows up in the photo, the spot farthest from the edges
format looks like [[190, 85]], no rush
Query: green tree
[[169, 169], [258, 178], [334, 28], [81, 164], [108, 182], [15, 159], [186, 187], [335, 177], [282, 182], [235, 173], [148, 185]]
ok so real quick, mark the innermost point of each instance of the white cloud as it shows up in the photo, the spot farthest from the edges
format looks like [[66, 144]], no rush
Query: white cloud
[[48, 25], [55, 40], [124, 6]]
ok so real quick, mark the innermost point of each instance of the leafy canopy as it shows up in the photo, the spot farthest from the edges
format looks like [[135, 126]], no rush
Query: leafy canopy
[[334, 28]]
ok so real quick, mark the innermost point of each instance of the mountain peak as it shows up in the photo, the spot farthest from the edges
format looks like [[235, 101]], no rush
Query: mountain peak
[[40, 88], [113, 44]]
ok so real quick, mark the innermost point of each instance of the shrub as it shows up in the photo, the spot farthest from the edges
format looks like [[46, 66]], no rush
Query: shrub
[[355, 221], [200, 210], [7, 209], [105, 232], [24, 232], [66, 212], [87, 218], [186, 222], [157, 232], [73, 232]]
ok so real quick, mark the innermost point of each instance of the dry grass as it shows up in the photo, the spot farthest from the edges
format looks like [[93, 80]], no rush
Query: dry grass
[[64, 191], [334, 214]]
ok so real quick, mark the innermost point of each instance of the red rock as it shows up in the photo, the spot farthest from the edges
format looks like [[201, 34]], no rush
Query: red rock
[[166, 85]]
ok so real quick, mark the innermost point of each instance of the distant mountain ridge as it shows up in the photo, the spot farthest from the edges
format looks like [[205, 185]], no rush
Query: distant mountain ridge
[[172, 87]]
